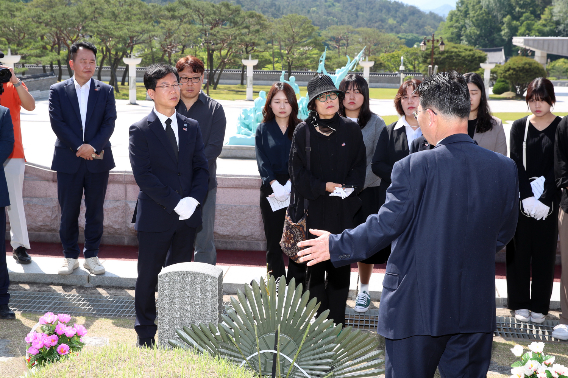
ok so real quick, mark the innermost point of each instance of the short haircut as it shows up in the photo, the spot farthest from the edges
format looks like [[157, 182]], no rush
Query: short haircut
[[357, 82], [447, 92], [541, 89], [156, 72], [86, 45], [268, 114], [192, 63], [414, 83]]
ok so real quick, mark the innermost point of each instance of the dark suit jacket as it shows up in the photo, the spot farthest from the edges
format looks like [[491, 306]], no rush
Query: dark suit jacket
[[162, 179], [6, 146], [66, 124], [448, 211]]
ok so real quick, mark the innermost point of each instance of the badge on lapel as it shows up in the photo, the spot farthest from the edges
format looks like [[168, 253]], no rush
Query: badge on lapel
[[185, 127], [96, 89]]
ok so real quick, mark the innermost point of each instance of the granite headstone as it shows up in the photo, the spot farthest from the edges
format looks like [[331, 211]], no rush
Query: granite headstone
[[188, 293]]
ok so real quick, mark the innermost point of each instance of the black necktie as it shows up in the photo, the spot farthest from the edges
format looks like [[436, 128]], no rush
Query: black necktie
[[171, 136]]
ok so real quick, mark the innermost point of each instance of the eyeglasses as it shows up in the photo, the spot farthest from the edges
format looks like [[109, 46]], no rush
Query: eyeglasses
[[416, 113], [324, 96], [185, 80], [167, 87]]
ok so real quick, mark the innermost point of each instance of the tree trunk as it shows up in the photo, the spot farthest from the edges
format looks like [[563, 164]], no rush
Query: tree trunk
[[289, 69], [125, 74], [114, 79], [60, 75], [273, 69], [243, 75], [211, 73], [100, 74], [44, 69], [219, 76], [51, 66]]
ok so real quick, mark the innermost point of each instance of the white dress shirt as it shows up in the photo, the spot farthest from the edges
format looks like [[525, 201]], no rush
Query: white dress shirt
[[410, 133], [173, 117], [83, 97]]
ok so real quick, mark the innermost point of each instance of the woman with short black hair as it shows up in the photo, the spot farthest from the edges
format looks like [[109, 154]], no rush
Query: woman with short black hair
[[533, 247]]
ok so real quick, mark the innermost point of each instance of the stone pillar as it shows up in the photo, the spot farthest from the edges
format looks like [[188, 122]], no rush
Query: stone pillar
[[132, 62], [540, 56], [188, 293], [401, 70], [366, 68], [9, 60], [487, 75], [250, 63]]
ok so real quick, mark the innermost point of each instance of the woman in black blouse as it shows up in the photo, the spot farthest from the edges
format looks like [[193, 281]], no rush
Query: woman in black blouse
[[337, 160], [272, 143], [534, 243]]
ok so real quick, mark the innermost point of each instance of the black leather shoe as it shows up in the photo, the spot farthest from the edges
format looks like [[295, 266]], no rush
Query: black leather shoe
[[146, 342], [6, 313], [21, 255]]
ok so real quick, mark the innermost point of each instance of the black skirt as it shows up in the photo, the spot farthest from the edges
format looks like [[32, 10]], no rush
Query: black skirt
[[371, 199]]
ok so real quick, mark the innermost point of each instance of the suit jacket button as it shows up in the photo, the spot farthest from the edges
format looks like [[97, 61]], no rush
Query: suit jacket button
[[179, 173]]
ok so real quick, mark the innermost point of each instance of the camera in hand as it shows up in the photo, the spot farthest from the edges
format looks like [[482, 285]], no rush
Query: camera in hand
[[5, 75]]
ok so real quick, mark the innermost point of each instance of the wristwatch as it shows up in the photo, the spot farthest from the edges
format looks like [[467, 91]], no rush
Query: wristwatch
[[18, 84]]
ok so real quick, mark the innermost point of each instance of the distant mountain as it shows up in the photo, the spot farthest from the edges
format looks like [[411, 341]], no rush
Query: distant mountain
[[442, 10], [389, 16]]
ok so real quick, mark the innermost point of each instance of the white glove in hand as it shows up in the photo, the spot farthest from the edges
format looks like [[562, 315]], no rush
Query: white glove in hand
[[529, 205], [540, 210], [288, 186], [280, 192], [537, 186], [186, 207]]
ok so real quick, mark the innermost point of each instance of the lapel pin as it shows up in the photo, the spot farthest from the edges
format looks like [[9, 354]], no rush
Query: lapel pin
[[185, 127], [343, 145]]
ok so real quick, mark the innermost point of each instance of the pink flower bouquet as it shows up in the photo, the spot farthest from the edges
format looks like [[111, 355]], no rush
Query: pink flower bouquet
[[54, 340]]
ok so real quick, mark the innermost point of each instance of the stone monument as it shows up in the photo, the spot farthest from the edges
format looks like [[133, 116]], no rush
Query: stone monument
[[188, 293], [366, 68], [132, 63], [250, 63], [9, 60], [487, 75]]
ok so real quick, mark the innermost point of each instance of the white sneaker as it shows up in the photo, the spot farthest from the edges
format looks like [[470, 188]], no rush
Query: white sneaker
[[69, 265], [537, 317], [362, 302], [560, 332], [94, 266], [522, 315]]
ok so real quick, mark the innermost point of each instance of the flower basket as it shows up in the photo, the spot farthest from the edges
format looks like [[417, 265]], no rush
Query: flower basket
[[52, 339], [535, 364]]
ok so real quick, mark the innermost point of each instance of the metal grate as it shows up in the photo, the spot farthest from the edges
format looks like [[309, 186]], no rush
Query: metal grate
[[72, 304], [366, 320], [511, 328]]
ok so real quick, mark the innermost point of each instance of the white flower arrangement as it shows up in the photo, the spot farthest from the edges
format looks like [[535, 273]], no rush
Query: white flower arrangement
[[534, 364]]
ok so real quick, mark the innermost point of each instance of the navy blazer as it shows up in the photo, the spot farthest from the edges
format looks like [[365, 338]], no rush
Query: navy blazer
[[448, 211], [163, 179], [66, 123], [6, 147]]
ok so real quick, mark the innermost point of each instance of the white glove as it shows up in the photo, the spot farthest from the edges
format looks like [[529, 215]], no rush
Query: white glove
[[288, 186], [529, 205], [186, 207], [540, 210], [537, 186], [280, 192]]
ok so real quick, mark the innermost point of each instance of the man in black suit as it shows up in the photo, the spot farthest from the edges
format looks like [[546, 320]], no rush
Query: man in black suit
[[82, 113], [448, 211], [6, 146], [169, 165]]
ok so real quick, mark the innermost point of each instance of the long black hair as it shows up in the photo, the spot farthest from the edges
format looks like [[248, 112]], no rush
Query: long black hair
[[359, 83], [484, 118]]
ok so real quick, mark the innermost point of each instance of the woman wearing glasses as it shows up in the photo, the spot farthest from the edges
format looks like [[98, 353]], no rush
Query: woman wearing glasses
[[272, 143], [355, 106], [533, 248], [394, 144], [328, 174]]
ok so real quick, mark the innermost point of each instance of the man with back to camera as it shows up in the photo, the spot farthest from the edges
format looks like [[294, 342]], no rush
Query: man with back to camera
[[169, 166], [14, 95], [6, 146], [448, 211], [209, 114], [82, 113]]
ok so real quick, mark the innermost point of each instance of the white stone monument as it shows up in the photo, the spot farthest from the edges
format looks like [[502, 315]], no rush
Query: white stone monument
[[401, 69], [188, 293], [132, 63], [487, 75], [366, 68], [250, 63], [9, 60]]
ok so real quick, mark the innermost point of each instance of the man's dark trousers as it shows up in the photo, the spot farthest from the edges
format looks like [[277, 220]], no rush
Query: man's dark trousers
[[152, 250], [465, 355], [70, 192], [4, 279]]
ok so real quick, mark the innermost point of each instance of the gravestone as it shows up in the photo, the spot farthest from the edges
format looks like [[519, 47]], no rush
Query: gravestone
[[188, 293]]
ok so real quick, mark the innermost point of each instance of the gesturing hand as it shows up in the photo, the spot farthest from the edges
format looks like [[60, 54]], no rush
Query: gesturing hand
[[318, 250]]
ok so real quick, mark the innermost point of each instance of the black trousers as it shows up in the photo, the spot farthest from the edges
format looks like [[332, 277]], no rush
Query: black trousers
[[273, 226], [70, 189], [330, 286], [152, 251], [533, 246], [4, 278], [459, 355]]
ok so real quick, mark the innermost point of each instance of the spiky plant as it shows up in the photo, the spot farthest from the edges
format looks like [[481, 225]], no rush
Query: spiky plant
[[277, 335]]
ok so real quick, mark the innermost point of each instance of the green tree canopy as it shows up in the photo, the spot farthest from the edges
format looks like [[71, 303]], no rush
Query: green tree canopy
[[520, 71]]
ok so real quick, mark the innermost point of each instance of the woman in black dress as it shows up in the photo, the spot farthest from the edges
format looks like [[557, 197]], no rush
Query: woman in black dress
[[534, 244], [272, 144], [337, 160]]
